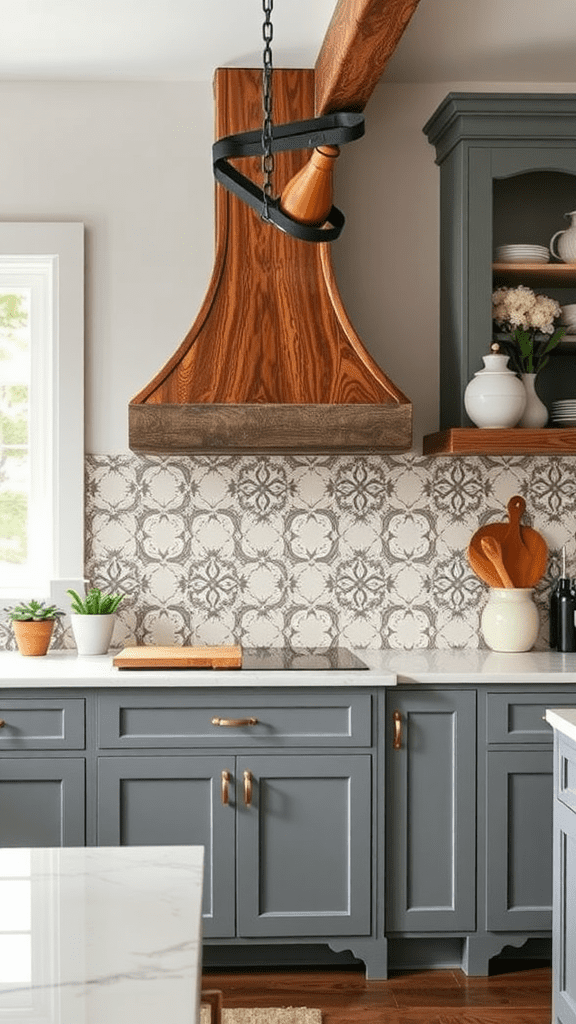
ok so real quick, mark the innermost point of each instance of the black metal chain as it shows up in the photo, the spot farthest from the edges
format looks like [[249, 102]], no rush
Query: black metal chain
[[267, 154]]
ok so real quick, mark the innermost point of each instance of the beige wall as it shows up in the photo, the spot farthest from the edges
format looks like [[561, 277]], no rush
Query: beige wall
[[133, 161]]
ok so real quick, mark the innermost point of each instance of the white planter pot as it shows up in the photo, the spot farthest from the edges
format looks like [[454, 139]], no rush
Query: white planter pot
[[92, 633]]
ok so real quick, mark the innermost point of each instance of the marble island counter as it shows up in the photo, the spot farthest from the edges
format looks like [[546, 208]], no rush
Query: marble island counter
[[65, 669], [101, 934]]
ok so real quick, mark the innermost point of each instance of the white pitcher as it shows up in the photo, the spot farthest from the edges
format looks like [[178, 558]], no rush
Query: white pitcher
[[567, 241]]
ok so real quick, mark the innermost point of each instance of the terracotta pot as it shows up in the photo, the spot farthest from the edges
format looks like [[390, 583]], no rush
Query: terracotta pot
[[33, 638]]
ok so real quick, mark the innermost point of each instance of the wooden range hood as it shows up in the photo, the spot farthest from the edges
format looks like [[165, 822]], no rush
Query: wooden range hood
[[272, 363]]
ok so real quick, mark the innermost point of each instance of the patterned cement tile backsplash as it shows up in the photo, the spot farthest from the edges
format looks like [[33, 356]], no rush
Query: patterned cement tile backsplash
[[369, 551]]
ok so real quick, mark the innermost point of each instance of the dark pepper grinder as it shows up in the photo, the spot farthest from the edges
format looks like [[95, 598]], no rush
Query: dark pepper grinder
[[566, 611]]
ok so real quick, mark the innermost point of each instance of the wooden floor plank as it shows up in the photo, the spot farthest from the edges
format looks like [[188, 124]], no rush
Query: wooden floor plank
[[409, 997]]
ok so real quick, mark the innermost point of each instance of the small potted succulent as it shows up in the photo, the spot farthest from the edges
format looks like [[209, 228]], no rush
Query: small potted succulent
[[33, 624], [93, 619]]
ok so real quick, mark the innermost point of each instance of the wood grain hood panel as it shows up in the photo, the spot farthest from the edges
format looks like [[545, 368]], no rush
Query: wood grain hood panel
[[272, 363]]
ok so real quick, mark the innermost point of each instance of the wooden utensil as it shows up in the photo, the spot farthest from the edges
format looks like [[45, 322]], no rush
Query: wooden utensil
[[493, 551], [524, 550]]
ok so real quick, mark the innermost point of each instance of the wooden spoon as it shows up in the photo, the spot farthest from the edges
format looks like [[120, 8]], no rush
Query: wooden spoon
[[524, 551], [493, 551]]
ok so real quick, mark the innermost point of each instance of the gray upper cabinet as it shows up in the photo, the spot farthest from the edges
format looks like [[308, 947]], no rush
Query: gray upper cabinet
[[507, 176]]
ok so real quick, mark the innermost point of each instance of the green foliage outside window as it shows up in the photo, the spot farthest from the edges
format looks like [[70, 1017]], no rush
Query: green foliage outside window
[[13, 432]]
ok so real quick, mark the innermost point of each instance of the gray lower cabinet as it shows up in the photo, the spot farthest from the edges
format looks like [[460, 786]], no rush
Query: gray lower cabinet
[[42, 771], [304, 845], [431, 810], [469, 817], [42, 801], [519, 798], [287, 839], [161, 800], [519, 847], [564, 913]]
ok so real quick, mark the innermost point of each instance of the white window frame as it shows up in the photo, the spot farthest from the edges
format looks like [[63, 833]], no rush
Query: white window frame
[[59, 246]]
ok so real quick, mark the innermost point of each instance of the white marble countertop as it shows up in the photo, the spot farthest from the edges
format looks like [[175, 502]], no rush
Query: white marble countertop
[[563, 719], [101, 934], [64, 669]]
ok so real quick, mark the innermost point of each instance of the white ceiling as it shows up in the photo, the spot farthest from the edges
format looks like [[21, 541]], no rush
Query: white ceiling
[[447, 40]]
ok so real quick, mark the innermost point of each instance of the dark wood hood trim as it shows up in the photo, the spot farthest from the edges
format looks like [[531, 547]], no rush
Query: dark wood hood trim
[[269, 429]]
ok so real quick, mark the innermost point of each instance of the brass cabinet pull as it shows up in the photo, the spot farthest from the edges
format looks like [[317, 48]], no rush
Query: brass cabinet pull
[[2, 723], [247, 788], [397, 741], [225, 778], [234, 722]]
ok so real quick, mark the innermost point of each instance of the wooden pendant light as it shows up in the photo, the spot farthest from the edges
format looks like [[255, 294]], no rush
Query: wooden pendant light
[[272, 362], [308, 197]]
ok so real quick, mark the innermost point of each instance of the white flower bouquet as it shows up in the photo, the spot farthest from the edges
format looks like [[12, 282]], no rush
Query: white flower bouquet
[[528, 321]]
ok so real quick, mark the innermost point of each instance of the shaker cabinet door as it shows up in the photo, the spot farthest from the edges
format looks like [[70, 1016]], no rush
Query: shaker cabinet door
[[41, 801], [431, 811], [519, 840], [304, 845], [172, 800]]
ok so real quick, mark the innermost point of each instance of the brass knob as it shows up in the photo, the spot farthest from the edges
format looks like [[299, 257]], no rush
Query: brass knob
[[233, 723], [225, 777], [2, 723], [247, 788], [397, 739]]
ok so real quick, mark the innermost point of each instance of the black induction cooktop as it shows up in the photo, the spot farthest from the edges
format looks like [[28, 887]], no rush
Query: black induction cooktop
[[299, 658]]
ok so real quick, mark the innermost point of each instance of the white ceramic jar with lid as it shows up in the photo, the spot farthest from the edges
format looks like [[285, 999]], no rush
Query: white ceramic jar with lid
[[495, 398]]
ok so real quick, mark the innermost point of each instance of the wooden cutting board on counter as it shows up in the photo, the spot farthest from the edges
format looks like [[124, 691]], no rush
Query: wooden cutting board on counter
[[179, 657]]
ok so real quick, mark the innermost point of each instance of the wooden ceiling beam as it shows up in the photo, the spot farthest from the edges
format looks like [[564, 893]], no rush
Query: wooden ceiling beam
[[360, 39]]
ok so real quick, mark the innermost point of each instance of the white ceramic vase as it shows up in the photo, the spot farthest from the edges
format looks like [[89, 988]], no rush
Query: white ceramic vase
[[510, 621], [92, 633], [495, 397], [535, 412]]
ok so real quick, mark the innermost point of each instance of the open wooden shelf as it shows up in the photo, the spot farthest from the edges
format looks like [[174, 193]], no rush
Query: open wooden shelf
[[517, 441], [556, 275]]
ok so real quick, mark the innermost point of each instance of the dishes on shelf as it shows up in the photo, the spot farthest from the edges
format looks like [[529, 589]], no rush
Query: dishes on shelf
[[564, 412], [568, 318], [522, 254]]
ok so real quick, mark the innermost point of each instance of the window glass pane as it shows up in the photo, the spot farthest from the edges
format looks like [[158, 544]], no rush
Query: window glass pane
[[14, 863], [15, 366], [15, 959], [15, 903]]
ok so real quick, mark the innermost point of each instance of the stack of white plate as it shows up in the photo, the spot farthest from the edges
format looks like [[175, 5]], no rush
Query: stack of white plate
[[564, 413], [522, 254], [568, 318]]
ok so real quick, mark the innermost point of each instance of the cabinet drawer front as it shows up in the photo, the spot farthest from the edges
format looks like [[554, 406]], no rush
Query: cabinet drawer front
[[519, 717], [297, 719], [42, 724]]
